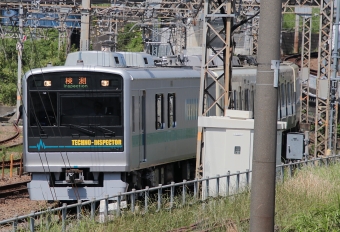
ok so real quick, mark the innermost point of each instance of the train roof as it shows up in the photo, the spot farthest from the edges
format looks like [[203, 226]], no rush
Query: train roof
[[135, 73], [138, 59], [154, 72], [252, 70], [96, 58]]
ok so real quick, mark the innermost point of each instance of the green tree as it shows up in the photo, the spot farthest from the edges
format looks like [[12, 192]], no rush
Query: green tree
[[130, 40], [36, 53]]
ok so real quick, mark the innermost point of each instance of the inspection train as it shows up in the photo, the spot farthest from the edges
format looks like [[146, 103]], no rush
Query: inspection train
[[97, 127]]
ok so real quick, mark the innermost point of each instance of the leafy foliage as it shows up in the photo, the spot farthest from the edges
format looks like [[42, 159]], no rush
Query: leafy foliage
[[288, 21], [130, 41], [39, 52], [36, 53]]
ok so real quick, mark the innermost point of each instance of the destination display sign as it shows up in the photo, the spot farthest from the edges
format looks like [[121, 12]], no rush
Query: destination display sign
[[75, 81], [75, 145]]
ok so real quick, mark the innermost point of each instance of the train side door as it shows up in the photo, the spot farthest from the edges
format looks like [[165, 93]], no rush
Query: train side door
[[142, 126]]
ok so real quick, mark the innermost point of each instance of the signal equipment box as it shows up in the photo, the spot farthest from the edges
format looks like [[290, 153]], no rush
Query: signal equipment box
[[228, 146], [295, 145]]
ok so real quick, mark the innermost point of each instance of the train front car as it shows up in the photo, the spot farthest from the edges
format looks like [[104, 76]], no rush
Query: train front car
[[75, 144]]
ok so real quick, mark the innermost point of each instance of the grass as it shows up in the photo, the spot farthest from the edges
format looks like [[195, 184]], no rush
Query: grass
[[6, 153], [310, 201], [311, 193], [16, 151]]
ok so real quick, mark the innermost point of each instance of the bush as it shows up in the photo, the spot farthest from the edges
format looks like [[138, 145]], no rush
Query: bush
[[8, 93]]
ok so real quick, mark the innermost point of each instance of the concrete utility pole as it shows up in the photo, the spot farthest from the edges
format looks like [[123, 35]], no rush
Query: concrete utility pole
[[262, 206], [85, 25], [19, 48]]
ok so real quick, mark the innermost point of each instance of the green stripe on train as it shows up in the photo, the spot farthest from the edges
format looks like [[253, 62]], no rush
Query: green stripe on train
[[165, 136]]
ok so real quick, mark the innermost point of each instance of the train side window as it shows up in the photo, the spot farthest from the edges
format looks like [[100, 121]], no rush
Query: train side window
[[116, 59], [133, 113], [282, 91], [235, 100], [171, 110], [145, 60], [240, 99], [253, 101], [289, 95], [292, 96], [246, 99], [159, 111]]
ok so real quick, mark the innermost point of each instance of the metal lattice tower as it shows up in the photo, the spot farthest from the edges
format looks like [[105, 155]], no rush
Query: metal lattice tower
[[255, 33], [211, 102], [251, 7], [323, 79], [154, 14], [180, 42], [155, 46], [305, 70], [63, 37]]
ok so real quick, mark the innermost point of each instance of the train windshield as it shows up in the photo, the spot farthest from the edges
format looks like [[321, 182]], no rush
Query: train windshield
[[91, 110], [43, 108]]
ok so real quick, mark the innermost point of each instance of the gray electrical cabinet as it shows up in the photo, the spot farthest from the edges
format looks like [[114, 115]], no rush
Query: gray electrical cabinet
[[295, 146]]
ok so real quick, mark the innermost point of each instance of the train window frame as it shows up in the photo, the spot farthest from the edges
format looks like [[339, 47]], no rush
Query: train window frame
[[172, 110], [159, 111]]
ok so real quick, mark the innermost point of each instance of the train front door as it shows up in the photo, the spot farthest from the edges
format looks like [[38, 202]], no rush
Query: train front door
[[142, 126]]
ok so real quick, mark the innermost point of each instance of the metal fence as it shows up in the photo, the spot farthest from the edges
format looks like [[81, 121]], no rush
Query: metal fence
[[223, 185]]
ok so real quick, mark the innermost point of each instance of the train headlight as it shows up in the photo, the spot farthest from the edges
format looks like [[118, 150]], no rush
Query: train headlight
[[105, 82], [47, 83]]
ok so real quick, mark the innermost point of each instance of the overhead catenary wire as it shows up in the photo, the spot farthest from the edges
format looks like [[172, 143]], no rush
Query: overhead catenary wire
[[25, 110], [44, 107]]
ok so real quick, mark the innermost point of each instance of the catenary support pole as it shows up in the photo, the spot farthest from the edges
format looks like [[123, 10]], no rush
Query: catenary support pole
[[19, 48], [262, 206], [85, 25]]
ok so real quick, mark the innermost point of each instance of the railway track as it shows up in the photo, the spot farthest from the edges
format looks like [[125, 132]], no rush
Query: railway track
[[13, 189], [6, 143], [7, 163], [7, 140]]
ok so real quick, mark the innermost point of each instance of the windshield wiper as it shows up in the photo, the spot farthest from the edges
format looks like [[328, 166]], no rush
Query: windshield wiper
[[107, 132], [85, 131]]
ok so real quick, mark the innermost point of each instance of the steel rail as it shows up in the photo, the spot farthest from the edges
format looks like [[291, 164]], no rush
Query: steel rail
[[12, 137], [16, 188], [7, 163]]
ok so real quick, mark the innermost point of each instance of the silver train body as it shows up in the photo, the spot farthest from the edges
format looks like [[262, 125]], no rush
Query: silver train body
[[91, 131]]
